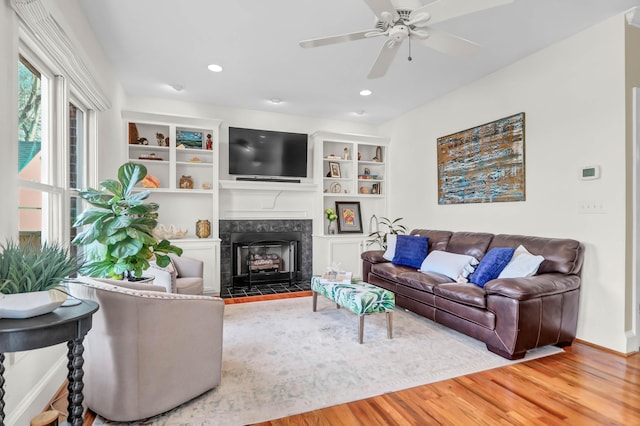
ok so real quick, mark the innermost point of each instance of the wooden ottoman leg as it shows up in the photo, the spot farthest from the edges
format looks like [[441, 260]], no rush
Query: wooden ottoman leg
[[389, 315], [360, 328], [315, 300]]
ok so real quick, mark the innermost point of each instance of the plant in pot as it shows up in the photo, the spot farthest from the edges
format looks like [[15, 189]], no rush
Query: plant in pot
[[392, 227], [31, 277], [117, 233]]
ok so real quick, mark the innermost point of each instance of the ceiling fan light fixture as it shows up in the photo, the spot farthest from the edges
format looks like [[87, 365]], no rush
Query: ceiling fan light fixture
[[365, 92], [215, 68]]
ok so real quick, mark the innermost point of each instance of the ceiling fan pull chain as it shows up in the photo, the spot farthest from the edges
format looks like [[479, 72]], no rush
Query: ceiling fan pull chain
[[409, 58]]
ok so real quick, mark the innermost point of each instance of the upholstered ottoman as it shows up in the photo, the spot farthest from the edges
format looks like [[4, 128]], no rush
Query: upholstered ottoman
[[360, 298]]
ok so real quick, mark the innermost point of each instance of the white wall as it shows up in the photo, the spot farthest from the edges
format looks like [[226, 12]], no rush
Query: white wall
[[573, 95], [33, 377]]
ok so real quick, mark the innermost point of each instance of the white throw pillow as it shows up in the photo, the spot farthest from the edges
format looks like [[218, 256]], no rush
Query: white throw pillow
[[522, 264], [452, 265], [391, 247]]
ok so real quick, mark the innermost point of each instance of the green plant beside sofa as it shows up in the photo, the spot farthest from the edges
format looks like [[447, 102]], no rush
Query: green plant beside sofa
[[117, 233]]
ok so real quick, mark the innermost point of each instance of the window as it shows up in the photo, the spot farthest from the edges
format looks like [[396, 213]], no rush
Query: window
[[51, 166]]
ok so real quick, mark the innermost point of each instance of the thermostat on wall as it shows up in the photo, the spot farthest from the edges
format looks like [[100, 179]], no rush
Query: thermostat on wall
[[590, 172]]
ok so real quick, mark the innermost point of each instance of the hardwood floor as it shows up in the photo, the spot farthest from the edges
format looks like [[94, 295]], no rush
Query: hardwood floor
[[582, 386]]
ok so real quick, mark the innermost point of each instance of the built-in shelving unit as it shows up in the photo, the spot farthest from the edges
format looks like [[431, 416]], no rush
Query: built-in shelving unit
[[348, 168], [172, 147]]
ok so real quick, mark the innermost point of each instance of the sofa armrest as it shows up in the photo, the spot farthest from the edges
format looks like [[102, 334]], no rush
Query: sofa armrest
[[373, 256], [533, 287]]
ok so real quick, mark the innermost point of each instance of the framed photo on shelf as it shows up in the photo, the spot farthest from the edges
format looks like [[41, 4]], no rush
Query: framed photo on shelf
[[334, 170], [349, 217]]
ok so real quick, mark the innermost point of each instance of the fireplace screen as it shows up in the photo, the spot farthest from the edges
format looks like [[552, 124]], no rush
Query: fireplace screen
[[259, 257]]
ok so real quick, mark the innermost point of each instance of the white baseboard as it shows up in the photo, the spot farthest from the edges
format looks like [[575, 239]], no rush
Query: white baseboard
[[40, 395]]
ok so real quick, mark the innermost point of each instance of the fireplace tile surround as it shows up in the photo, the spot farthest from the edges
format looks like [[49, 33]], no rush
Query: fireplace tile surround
[[227, 227]]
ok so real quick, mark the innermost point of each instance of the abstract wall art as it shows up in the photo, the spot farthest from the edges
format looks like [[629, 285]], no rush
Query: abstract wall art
[[484, 164]]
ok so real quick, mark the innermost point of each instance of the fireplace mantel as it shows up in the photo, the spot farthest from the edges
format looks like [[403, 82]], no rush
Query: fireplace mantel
[[261, 186]]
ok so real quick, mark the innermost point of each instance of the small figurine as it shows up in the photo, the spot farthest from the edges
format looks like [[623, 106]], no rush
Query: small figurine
[[346, 153], [160, 139], [209, 142], [143, 141]]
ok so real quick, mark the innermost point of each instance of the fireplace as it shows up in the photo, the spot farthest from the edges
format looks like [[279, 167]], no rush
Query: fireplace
[[256, 253], [261, 257]]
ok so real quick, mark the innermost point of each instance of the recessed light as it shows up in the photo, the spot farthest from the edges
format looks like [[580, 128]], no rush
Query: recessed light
[[275, 100], [215, 68], [360, 112], [177, 87], [365, 92]]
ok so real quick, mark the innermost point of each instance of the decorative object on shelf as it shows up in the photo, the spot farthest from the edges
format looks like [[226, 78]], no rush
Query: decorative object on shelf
[[186, 182], [166, 141], [336, 187], [31, 278], [150, 156], [190, 139], [203, 228], [380, 236], [195, 159], [133, 134], [160, 139], [334, 170], [375, 188], [492, 152], [143, 141], [359, 156], [170, 232], [332, 157], [349, 218], [331, 217], [364, 190], [209, 142], [346, 153], [374, 219], [206, 185], [367, 171], [378, 156], [150, 181], [116, 241]]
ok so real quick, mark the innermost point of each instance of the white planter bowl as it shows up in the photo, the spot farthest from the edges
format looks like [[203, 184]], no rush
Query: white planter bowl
[[27, 305]]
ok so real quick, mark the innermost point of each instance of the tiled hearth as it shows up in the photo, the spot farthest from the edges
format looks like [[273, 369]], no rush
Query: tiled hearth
[[300, 283]]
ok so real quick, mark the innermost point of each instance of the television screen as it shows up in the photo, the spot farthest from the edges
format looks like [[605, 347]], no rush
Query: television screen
[[267, 153]]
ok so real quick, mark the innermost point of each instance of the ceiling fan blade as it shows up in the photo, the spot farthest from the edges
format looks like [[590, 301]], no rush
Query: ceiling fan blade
[[340, 38], [442, 10], [385, 57], [383, 9], [449, 44]]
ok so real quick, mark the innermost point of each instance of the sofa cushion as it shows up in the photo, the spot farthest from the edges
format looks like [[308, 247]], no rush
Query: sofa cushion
[[410, 250], [473, 244], [491, 265], [389, 271], [468, 294], [438, 240], [522, 264], [390, 252], [421, 280], [452, 265]]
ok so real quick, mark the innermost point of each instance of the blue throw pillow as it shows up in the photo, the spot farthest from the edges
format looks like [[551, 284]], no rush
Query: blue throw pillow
[[491, 265], [410, 250]]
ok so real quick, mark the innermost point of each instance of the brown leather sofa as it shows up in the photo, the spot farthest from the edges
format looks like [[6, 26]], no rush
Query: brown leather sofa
[[510, 315]]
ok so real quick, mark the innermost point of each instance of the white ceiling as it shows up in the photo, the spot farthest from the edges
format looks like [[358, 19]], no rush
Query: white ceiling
[[153, 44]]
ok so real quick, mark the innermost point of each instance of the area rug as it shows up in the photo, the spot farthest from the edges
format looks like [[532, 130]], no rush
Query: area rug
[[280, 359]]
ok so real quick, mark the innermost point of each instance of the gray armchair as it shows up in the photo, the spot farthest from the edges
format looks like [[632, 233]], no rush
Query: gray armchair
[[183, 276], [148, 351]]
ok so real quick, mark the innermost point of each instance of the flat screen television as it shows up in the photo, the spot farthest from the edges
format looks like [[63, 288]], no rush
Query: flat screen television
[[265, 153]]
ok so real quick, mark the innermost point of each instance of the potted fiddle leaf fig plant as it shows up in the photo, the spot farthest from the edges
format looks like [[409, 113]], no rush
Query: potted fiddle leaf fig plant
[[117, 233], [31, 278]]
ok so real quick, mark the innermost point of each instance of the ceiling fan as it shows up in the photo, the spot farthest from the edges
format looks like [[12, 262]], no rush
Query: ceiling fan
[[410, 19]]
